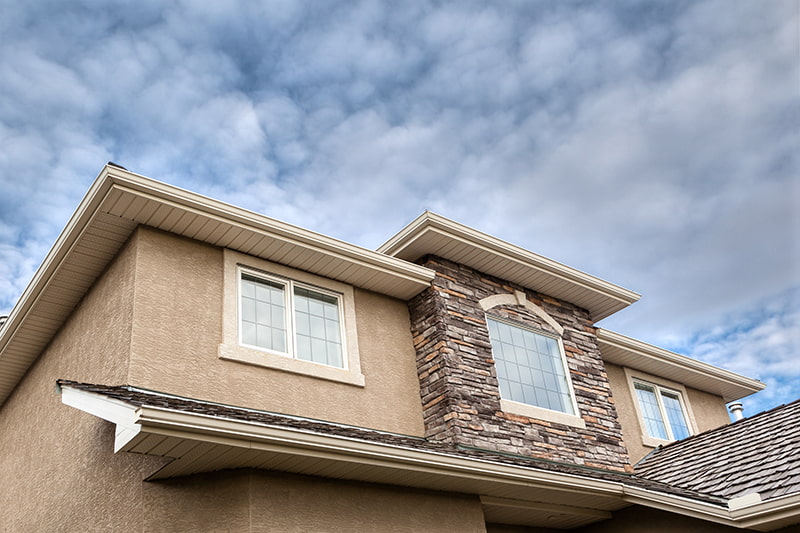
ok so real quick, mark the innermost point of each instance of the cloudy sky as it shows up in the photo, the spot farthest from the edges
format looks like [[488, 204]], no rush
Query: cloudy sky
[[653, 144]]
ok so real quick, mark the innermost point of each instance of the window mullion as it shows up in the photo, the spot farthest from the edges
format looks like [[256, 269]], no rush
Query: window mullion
[[290, 318], [663, 412]]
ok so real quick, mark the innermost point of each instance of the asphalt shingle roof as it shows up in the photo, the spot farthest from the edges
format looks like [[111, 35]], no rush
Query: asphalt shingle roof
[[757, 454]]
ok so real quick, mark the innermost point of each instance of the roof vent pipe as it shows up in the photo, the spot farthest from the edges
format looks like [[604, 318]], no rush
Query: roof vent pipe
[[737, 410]]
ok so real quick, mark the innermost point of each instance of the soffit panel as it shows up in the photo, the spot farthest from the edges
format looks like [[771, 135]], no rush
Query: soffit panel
[[631, 353], [432, 234], [531, 517], [118, 202], [268, 245], [202, 456], [197, 456]]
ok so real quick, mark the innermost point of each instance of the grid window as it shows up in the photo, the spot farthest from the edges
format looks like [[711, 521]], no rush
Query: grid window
[[662, 411], [291, 319], [530, 367]]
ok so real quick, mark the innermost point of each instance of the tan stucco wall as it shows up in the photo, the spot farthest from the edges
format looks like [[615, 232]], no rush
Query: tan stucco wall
[[56, 462], [177, 330], [257, 501], [709, 411]]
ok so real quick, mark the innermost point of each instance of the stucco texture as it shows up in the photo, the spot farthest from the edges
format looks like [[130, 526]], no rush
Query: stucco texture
[[57, 462], [257, 501], [177, 330]]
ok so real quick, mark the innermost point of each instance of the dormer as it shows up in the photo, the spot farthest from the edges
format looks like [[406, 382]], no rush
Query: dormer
[[507, 354]]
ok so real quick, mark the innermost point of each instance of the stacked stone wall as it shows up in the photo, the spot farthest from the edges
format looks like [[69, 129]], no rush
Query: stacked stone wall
[[458, 381]]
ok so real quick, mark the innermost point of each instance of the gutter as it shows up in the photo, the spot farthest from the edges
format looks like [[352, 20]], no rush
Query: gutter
[[136, 423]]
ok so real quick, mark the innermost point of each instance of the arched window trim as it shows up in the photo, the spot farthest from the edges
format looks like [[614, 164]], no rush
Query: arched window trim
[[519, 298]]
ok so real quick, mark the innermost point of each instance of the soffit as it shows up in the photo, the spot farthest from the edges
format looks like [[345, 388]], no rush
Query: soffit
[[625, 351], [119, 201], [196, 442], [202, 436], [433, 234]]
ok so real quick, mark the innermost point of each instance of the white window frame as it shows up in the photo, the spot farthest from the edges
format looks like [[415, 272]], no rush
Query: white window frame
[[524, 409], [232, 349], [289, 313], [658, 385]]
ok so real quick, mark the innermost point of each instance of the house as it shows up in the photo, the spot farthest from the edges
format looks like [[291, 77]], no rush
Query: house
[[180, 364]]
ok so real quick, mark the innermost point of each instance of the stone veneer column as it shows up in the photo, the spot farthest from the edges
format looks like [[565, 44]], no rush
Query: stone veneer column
[[458, 381]]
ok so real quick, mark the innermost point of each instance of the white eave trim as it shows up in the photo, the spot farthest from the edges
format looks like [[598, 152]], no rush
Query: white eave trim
[[208, 428], [122, 414], [235, 216], [626, 351], [765, 515], [126, 198], [404, 245], [136, 423]]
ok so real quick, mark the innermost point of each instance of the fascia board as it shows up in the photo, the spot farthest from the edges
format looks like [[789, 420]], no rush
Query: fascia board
[[230, 214], [760, 515], [113, 181], [65, 242], [679, 505], [146, 420], [122, 414], [194, 425], [115, 178], [668, 360], [431, 222]]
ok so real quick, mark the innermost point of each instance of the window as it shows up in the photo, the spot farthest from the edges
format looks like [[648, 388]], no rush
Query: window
[[288, 318], [281, 318], [530, 367], [662, 411]]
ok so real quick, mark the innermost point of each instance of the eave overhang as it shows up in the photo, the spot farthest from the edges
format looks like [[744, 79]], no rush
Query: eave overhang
[[198, 443], [119, 201], [436, 235], [624, 351]]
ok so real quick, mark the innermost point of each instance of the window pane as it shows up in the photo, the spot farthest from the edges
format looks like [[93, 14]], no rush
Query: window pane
[[654, 424], [318, 327], [677, 421], [530, 368], [263, 311]]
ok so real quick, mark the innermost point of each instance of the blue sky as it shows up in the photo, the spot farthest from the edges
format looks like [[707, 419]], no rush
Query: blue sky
[[653, 144]]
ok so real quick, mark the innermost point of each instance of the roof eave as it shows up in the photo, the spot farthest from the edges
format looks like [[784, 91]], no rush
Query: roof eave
[[434, 234], [626, 351], [118, 201], [770, 514], [230, 443]]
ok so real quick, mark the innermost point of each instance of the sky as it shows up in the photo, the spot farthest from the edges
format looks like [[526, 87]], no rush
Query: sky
[[654, 144]]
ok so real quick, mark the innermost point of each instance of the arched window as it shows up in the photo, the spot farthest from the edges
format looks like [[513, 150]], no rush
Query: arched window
[[531, 367]]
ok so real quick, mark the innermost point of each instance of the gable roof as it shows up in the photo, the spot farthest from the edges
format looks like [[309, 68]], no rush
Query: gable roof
[[202, 436], [434, 234], [756, 455], [119, 201]]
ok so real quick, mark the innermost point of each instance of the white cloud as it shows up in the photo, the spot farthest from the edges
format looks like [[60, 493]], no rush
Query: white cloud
[[652, 145]]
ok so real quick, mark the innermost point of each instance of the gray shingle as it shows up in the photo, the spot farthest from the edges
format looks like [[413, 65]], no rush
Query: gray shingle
[[758, 454]]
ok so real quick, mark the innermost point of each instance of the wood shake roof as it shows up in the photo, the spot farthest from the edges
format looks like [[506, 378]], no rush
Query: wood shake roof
[[759, 454]]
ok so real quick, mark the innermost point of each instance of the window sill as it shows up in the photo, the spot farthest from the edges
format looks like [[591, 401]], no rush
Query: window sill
[[240, 354], [540, 413], [654, 442]]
